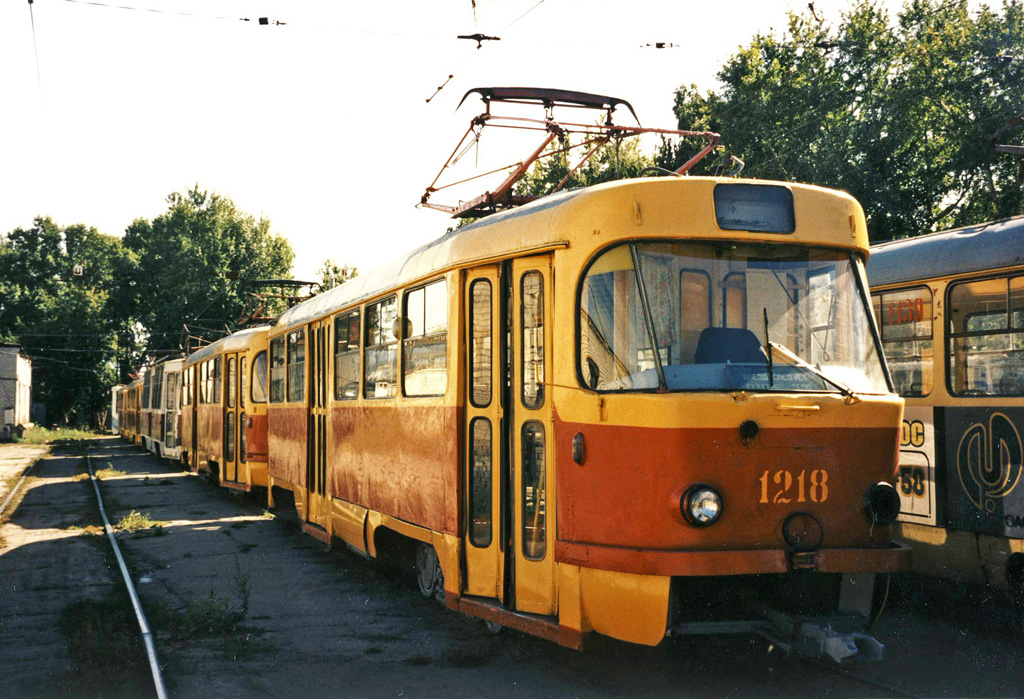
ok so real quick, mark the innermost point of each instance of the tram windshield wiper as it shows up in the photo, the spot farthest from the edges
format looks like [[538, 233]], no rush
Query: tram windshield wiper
[[848, 393]]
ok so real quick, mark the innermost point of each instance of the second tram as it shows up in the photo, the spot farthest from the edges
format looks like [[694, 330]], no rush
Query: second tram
[[950, 306]]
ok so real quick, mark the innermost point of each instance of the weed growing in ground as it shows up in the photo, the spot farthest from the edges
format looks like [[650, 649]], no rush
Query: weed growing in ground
[[135, 521], [109, 472], [42, 435]]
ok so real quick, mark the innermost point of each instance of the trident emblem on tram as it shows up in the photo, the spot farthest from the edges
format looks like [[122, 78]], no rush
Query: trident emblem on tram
[[989, 461]]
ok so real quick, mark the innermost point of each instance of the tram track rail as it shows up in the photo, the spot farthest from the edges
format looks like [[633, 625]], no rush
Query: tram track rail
[[849, 673], [140, 615]]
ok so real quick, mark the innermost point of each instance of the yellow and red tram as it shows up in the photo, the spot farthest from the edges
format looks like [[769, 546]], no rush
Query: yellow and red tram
[[223, 411], [649, 407]]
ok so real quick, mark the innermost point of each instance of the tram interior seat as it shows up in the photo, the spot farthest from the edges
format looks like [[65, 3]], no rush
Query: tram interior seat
[[735, 345]]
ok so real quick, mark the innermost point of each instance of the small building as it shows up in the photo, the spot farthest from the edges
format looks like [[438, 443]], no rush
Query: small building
[[15, 389]]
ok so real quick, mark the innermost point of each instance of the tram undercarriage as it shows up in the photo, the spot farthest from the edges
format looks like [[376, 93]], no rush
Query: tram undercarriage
[[801, 613]]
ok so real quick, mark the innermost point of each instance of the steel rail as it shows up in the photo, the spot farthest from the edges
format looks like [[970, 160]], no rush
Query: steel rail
[[140, 616], [848, 673]]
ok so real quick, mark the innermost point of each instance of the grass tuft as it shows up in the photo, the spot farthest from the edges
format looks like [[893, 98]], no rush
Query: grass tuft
[[42, 435], [135, 521]]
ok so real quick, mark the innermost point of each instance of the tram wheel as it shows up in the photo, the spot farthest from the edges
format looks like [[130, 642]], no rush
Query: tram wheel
[[494, 627], [429, 577]]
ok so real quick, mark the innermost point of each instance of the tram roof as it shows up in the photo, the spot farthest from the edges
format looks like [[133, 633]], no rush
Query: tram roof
[[232, 343], [491, 239], [991, 245], [433, 256]]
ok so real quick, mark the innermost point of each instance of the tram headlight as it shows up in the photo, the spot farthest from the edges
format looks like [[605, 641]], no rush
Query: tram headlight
[[701, 505], [881, 504]]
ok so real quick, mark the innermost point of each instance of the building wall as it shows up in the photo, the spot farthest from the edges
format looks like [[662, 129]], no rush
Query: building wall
[[15, 387]]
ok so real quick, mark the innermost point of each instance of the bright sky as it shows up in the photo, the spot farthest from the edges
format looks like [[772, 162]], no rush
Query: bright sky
[[321, 124]]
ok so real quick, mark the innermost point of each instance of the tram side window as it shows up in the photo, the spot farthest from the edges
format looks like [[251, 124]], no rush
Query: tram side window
[[259, 378], [905, 322], [425, 345], [204, 369], [277, 370], [380, 363], [158, 384], [243, 378], [296, 361], [215, 375], [172, 390], [346, 356], [480, 470], [532, 321], [480, 343], [230, 378], [986, 337], [146, 389], [534, 493]]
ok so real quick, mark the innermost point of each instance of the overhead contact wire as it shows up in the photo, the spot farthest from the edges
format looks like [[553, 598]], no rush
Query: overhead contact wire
[[140, 616]]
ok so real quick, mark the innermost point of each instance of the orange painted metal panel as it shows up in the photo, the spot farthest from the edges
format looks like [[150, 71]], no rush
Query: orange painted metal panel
[[286, 439], [256, 438], [627, 492], [401, 461], [210, 420]]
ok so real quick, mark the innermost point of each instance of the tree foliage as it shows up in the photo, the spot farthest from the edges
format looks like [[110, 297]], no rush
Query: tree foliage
[[70, 324], [900, 113], [331, 274], [612, 161], [196, 266]]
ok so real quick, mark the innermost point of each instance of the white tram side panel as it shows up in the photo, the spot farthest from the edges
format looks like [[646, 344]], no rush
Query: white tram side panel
[[915, 474]]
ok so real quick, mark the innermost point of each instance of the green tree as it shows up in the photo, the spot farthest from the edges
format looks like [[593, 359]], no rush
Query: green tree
[[612, 161], [58, 299], [331, 274], [196, 266], [899, 114]]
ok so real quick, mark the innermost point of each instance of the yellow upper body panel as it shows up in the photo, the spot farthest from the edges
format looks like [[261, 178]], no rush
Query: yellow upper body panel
[[580, 222]]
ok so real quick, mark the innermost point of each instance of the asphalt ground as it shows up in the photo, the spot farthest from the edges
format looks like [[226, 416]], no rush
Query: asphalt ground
[[243, 605]]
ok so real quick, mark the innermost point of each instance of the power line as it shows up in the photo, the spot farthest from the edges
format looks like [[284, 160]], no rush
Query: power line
[[35, 48]]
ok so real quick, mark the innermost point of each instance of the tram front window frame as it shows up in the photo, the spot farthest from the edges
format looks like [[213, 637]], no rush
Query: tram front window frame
[[809, 302]]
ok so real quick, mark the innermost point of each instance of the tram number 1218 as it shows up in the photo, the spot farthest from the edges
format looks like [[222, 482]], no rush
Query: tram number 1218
[[781, 484]]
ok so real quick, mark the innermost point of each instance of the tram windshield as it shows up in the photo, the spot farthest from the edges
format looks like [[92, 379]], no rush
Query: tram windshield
[[725, 316]]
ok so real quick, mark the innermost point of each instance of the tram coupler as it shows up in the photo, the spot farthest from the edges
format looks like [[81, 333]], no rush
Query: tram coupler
[[822, 641]]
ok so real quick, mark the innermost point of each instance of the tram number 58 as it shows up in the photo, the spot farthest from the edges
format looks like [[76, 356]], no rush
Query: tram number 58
[[785, 488], [912, 481]]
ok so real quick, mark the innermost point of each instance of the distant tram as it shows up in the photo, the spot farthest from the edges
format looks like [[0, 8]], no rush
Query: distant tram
[[224, 413], [951, 310]]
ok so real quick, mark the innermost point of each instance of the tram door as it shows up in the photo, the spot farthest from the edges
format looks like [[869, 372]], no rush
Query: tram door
[[193, 391], [530, 429], [229, 469], [318, 504], [510, 544], [484, 542]]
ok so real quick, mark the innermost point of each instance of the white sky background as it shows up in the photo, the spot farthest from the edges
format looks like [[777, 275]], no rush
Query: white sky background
[[320, 125]]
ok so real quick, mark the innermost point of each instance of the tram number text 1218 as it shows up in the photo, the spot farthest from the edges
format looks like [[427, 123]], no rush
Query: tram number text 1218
[[782, 482]]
